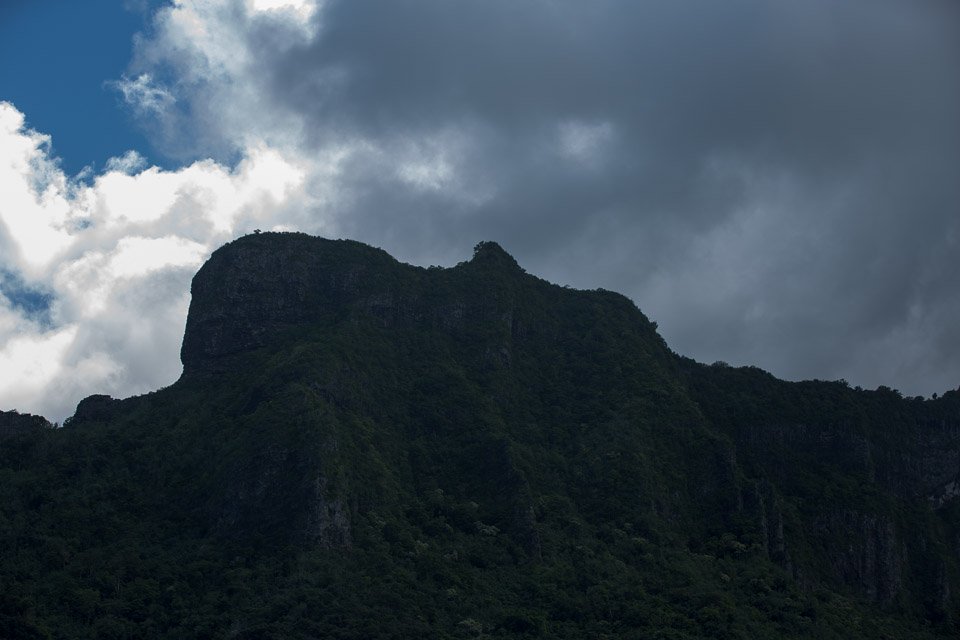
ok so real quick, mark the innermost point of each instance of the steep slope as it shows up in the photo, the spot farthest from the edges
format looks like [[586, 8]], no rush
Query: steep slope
[[864, 481], [362, 448]]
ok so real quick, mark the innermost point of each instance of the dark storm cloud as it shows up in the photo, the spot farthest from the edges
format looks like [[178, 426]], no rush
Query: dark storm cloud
[[775, 183]]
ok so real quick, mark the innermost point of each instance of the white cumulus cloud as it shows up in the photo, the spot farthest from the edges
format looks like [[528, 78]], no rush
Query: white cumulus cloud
[[113, 259]]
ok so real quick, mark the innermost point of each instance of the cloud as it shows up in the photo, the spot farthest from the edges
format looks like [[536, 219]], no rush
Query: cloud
[[95, 276], [144, 95], [774, 184], [129, 163]]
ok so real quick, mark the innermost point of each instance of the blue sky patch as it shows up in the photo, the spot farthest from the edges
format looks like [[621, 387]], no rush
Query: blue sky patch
[[57, 60], [33, 302]]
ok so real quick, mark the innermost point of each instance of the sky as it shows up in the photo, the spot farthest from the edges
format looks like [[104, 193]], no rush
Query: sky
[[775, 184]]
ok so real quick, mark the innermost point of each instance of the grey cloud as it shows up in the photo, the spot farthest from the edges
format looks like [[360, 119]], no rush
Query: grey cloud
[[780, 184]]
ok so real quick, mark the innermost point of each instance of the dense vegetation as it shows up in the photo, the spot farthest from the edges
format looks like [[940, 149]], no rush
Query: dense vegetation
[[470, 452]]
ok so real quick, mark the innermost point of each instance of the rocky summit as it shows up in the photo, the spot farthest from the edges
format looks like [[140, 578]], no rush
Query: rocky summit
[[360, 448]]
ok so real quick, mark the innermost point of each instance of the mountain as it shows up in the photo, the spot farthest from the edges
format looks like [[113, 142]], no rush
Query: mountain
[[359, 448]]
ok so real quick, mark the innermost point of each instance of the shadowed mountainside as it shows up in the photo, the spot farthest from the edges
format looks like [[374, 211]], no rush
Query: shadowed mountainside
[[363, 448]]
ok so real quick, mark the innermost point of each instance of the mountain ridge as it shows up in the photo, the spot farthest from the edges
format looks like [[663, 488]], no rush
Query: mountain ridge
[[477, 429]]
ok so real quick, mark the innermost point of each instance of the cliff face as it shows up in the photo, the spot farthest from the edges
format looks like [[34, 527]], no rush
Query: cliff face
[[901, 454], [254, 288], [866, 477], [473, 450], [260, 286], [491, 323]]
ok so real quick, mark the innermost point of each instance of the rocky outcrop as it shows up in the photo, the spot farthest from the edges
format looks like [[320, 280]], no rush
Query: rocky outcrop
[[328, 521], [441, 430], [927, 462], [869, 557], [256, 287], [281, 492], [760, 499], [256, 290], [864, 550], [849, 487]]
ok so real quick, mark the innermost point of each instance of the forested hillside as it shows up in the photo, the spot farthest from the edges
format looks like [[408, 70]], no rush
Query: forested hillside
[[360, 448]]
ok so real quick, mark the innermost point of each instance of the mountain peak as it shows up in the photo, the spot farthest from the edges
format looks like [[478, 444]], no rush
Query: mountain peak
[[422, 441], [265, 283], [489, 253], [262, 283]]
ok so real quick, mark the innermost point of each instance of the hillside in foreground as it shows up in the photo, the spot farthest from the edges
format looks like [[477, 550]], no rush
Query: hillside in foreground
[[360, 448]]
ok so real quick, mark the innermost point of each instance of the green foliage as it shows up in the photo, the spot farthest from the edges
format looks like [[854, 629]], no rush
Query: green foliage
[[498, 458]]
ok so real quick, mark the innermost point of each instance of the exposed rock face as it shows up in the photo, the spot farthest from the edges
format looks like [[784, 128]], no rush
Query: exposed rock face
[[449, 421], [280, 491], [872, 556], [928, 462], [760, 499], [257, 286], [253, 290], [863, 472], [867, 549], [328, 523]]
